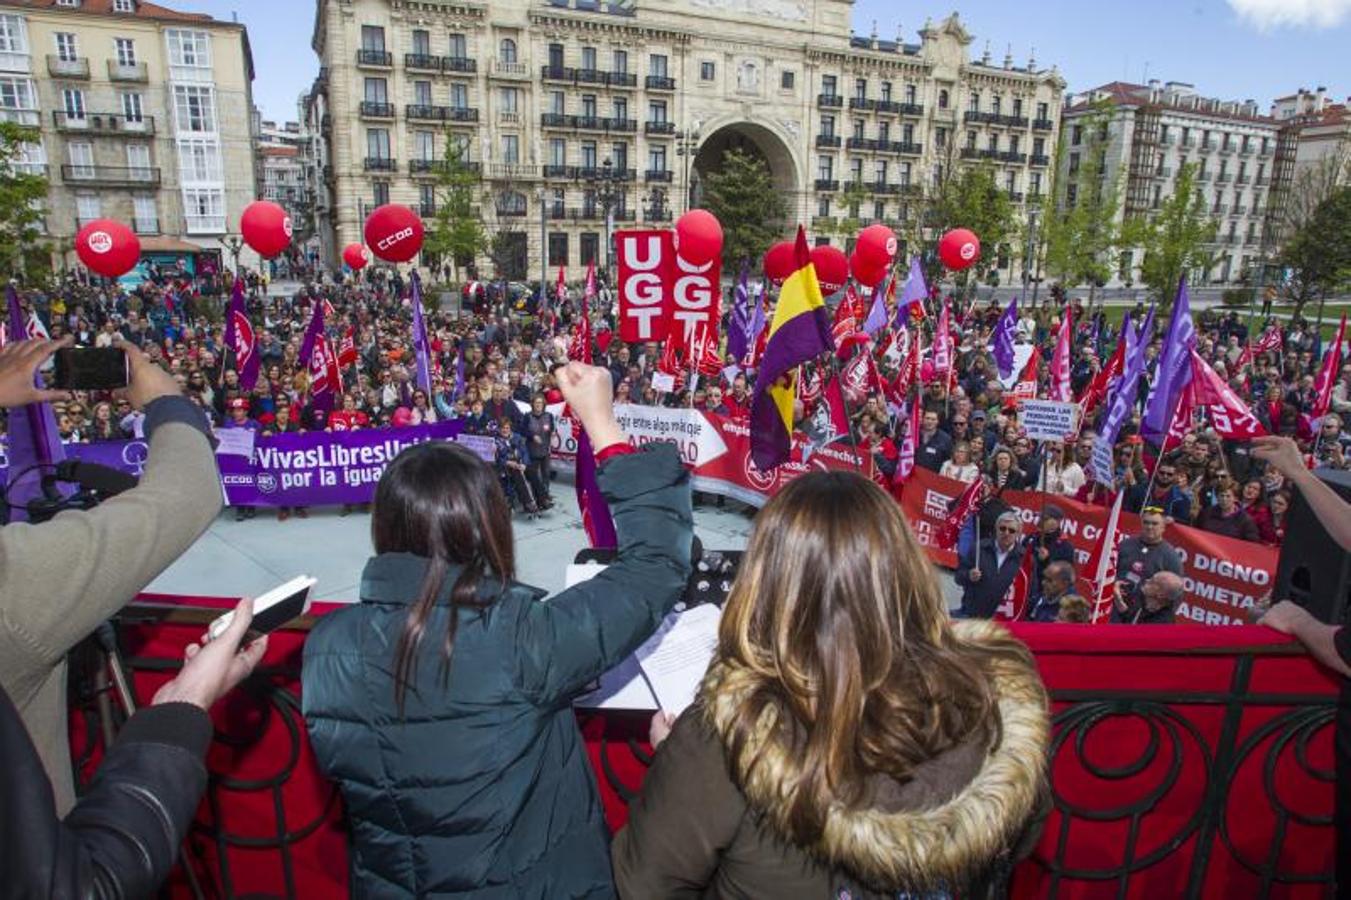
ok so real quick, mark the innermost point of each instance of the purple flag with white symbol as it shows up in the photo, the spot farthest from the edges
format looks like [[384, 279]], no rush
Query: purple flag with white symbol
[[421, 346], [1175, 370], [1004, 330], [738, 328]]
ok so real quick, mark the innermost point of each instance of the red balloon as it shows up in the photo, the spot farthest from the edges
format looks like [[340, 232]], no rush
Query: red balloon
[[698, 237], [876, 246], [266, 228], [355, 256], [780, 261], [107, 247], [959, 249], [864, 274], [832, 267], [394, 233]]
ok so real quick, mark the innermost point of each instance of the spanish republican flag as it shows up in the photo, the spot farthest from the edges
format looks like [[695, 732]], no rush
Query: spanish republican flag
[[800, 332]]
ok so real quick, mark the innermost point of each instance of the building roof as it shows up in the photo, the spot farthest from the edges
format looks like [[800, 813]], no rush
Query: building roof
[[278, 150], [142, 10], [1125, 93]]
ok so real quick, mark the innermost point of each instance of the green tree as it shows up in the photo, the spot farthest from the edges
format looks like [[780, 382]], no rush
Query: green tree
[[1175, 239], [851, 219], [1292, 224], [24, 251], [1081, 233], [971, 199], [455, 230], [741, 194], [1319, 252]]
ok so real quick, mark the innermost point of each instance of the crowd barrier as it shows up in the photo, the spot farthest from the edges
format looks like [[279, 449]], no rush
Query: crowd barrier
[[1186, 762]]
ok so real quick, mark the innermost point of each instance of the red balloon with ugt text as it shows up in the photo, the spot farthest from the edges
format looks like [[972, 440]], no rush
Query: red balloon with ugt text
[[959, 249], [832, 267], [394, 233], [864, 274], [698, 237], [109, 248], [780, 261], [355, 256], [876, 246], [266, 228]]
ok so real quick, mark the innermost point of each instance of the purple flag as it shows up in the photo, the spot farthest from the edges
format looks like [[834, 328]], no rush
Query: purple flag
[[1004, 330], [421, 346], [459, 371], [34, 440], [1174, 372], [739, 326], [312, 333], [240, 338], [877, 313], [757, 318], [596, 518], [1123, 397], [914, 291]]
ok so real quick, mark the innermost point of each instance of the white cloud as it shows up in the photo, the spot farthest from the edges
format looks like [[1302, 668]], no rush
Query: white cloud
[[1266, 14]]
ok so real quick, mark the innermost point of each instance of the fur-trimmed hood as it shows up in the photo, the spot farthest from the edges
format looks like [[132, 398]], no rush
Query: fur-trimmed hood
[[909, 846]]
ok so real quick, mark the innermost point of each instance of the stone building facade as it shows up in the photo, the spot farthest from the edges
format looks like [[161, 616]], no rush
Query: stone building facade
[[584, 115], [144, 115]]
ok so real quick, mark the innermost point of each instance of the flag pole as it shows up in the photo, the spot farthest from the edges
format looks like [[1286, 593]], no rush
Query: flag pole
[[844, 398]]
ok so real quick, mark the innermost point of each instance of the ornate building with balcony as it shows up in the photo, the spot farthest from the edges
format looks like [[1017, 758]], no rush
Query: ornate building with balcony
[[144, 117], [590, 114], [1152, 131]]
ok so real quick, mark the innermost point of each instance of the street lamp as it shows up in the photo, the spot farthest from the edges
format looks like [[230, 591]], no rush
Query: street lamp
[[687, 145], [1029, 260], [542, 194], [234, 244], [607, 195]]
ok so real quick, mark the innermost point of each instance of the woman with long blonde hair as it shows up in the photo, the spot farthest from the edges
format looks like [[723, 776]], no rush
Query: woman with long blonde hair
[[849, 739]]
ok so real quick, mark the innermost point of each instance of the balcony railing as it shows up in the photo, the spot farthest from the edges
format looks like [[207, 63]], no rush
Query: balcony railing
[[1219, 209], [512, 171], [205, 224], [827, 140], [1207, 146], [904, 109], [378, 59], [508, 117], [621, 79], [860, 143], [620, 174], [501, 68], [134, 176], [441, 167], [462, 114], [426, 210], [882, 187], [560, 171], [662, 175], [1240, 210], [1243, 179], [1223, 178], [1246, 150], [1227, 148], [659, 128], [830, 101], [372, 109], [862, 103], [1042, 125], [67, 68], [104, 123], [425, 113], [422, 62], [827, 184], [557, 120], [1039, 159], [1203, 176], [459, 65], [659, 83], [1013, 157], [980, 153], [380, 164], [133, 72]]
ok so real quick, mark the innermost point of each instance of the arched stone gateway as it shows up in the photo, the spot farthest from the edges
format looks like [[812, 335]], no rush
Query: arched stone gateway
[[758, 139]]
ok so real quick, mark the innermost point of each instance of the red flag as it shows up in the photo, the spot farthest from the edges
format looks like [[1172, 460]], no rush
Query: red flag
[[1232, 418], [561, 288], [1061, 362], [942, 347], [844, 325], [1014, 604], [704, 350], [1097, 388], [968, 504], [347, 350], [1182, 417], [1102, 564], [832, 398], [579, 348], [1327, 374], [908, 376], [909, 445], [1026, 386], [589, 295], [36, 330], [860, 378], [809, 389]]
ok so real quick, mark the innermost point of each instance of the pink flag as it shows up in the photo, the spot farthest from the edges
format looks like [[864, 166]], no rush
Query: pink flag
[[1102, 563], [943, 341], [1061, 362], [909, 444], [1014, 604]]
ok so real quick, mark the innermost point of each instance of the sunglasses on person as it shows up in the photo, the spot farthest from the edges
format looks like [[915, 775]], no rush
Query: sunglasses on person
[[1007, 529]]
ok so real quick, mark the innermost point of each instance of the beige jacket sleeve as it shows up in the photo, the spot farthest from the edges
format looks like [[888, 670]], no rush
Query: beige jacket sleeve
[[60, 579]]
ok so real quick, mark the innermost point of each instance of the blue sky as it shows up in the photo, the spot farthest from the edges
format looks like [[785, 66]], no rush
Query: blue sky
[[1235, 49]]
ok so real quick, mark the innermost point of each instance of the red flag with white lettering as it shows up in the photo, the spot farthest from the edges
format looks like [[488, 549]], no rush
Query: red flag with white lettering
[[1014, 604], [1026, 386], [1232, 418]]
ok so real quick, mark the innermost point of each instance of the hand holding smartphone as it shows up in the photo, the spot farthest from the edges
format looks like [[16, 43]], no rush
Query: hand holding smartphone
[[273, 609], [91, 369]]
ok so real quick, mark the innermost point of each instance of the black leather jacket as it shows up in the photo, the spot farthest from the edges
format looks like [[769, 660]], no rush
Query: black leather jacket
[[122, 837]]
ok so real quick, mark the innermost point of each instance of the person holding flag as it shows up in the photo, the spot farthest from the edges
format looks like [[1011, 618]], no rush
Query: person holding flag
[[986, 574], [800, 332]]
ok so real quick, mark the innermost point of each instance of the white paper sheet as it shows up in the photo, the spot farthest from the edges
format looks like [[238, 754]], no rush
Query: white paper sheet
[[675, 659]]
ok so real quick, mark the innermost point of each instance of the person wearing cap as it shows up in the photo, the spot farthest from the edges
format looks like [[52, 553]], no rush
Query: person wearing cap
[[1048, 547]]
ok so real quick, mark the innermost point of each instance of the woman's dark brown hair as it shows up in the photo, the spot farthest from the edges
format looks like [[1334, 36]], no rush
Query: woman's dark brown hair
[[837, 614], [439, 501]]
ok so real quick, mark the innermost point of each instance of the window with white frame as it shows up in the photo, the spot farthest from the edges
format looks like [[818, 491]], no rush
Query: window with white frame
[[199, 161], [377, 143], [31, 159], [72, 101], [132, 109], [422, 93], [558, 152], [459, 96], [145, 215], [189, 49], [195, 108], [126, 51], [71, 3], [557, 102], [124, 6], [67, 46], [13, 35], [511, 100], [81, 156], [18, 100], [511, 148], [459, 47], [87, 207], [204, 210], [424, 145]]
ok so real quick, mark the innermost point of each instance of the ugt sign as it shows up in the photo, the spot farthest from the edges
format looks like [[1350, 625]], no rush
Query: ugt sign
[[659, 292]]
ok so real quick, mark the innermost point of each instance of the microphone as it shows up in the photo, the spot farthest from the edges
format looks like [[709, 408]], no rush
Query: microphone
[[103, 480]]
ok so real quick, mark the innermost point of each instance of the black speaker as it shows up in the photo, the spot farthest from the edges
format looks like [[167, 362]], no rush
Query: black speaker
[[1314, 571]]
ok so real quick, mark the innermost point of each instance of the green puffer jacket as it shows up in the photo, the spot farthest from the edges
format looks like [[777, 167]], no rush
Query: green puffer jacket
[[483, 788]]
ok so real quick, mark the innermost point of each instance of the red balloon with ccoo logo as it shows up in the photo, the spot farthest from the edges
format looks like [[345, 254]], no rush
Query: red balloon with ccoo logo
[[780, 261], [108, 247], [266, 228], [355, 256], [832, 267], [394, 233], [876, 246], [959, 249]]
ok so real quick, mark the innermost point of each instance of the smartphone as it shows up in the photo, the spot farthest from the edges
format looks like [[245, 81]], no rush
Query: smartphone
[[91, 369], [273, 609]]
